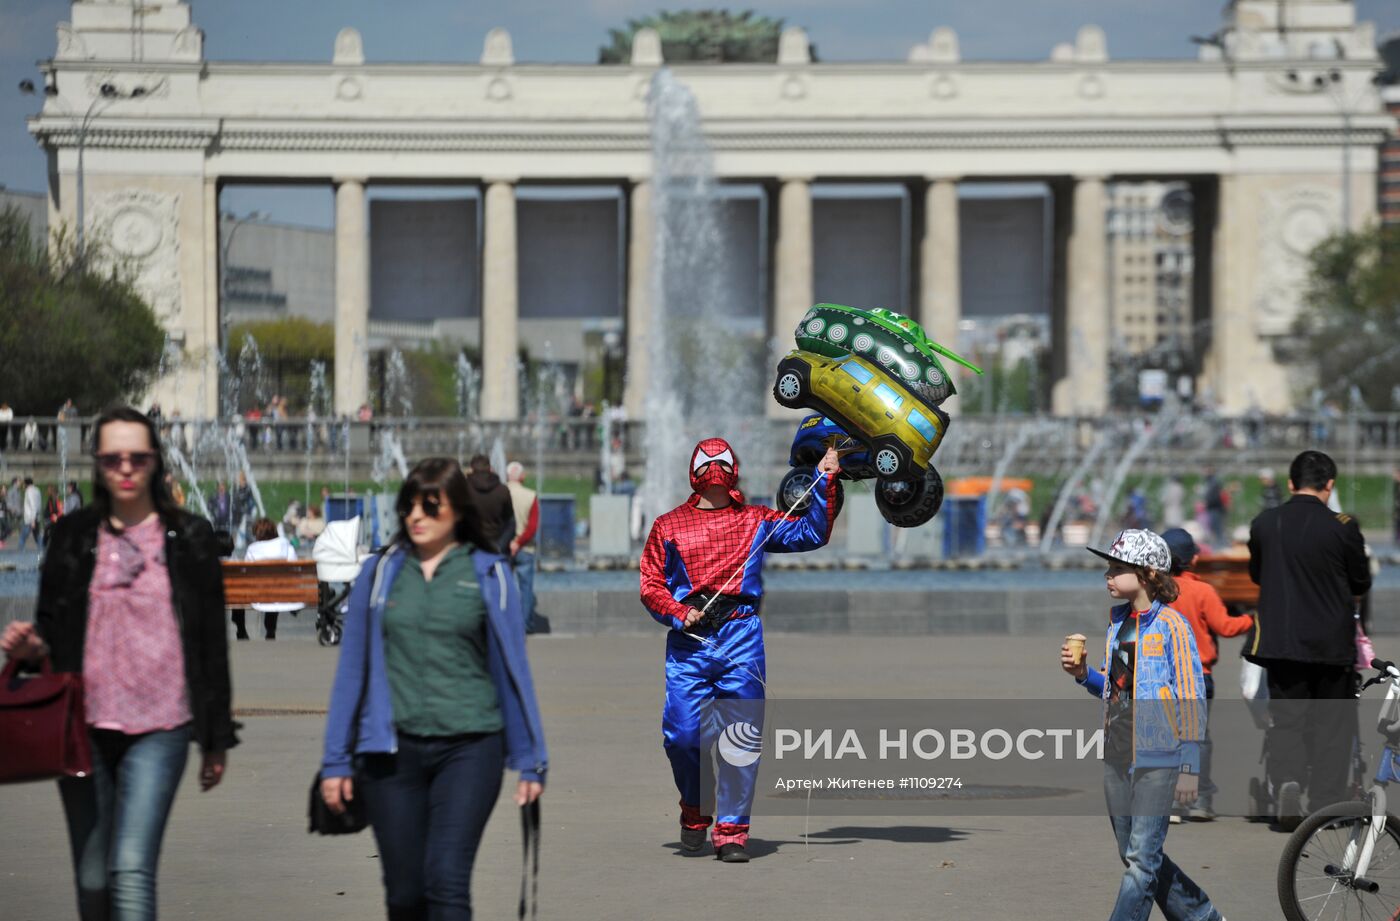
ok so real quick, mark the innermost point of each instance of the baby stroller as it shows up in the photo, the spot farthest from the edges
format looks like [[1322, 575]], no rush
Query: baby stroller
[[337, 564]]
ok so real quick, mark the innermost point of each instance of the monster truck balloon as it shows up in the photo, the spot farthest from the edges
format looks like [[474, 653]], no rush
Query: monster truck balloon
[[876, 382]]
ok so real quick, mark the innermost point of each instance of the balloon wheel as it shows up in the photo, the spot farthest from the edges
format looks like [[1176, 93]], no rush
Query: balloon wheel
[[910, 503], [792, 490]]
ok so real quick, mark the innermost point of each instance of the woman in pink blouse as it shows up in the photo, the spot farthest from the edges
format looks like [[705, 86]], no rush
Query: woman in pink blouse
[[131, 596]]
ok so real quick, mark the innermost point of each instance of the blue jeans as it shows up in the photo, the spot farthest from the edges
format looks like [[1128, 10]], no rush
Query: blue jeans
[[116, 819], [524, 565], [1138, 807], [428, 804], [36, 529]]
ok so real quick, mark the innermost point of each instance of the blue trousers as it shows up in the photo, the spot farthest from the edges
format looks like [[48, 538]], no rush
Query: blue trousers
[[36, 530], [1139, 806], [699, 678], [428, 804], [524, 567], [116, 820]]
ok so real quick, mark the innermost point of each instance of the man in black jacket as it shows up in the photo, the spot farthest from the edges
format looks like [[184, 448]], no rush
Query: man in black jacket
[[1310, 564], [491, 499], [1395, 501]]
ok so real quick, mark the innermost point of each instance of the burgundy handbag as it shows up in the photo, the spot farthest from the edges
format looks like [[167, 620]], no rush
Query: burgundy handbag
[[42, 731]]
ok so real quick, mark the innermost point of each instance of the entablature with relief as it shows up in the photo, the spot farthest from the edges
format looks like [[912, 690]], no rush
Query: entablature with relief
[[386, 135]]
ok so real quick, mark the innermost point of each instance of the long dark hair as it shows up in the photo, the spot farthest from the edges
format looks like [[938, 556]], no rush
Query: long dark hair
[[160, 493], [443, 477]]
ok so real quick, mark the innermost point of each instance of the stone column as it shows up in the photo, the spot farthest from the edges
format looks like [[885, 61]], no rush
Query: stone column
[[351, 295], [1231, 328], [213, 322], [500, 305], [940, 277], [639, 268], [1084, 388], [792, 275]]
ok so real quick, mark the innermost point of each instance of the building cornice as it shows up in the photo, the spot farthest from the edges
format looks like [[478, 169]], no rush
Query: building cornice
[[469, 137], [144, 135], [263, 69]]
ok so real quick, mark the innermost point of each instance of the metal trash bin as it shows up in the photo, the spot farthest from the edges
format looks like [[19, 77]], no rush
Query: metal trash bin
[[964, 526], [557, 517]]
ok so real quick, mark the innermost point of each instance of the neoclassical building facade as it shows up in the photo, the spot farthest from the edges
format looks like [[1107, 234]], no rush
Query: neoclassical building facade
[[1275, 129]]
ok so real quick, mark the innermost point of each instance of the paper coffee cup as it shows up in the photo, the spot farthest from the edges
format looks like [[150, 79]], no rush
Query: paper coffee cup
[[1076, 643]]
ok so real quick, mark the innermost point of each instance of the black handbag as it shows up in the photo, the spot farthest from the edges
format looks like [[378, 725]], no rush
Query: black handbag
[[319, 818], [321, 821]]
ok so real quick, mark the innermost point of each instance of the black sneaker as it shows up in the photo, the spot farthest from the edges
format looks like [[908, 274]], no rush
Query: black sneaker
[[692, 839], [732, 853], [1290, 806]]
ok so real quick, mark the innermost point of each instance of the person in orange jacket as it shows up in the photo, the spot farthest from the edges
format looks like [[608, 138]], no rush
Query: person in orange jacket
[[1200, 604]]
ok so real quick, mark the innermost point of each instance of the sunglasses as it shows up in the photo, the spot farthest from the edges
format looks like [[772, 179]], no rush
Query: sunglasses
[[431, 505], [138, 460]]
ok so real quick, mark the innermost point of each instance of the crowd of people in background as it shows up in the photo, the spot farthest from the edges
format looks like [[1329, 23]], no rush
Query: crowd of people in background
[[27, 514]]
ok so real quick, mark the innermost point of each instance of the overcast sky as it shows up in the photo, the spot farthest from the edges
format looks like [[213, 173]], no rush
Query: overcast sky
[[572, 30]]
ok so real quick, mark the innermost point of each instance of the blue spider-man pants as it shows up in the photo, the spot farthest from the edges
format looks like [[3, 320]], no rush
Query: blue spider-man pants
[[729, 667]]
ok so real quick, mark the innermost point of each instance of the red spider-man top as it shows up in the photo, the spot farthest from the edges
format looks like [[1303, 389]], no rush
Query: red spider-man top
[[721, 550]]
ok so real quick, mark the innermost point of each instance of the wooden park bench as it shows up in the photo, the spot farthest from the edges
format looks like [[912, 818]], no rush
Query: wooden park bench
[[267, 581], [1228, 574]]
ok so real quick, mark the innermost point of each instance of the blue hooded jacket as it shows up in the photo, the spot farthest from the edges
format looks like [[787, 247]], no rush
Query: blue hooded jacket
[[1169, 719], [374, 732]]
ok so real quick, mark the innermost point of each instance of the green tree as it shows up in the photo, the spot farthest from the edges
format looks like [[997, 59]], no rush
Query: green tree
[[70, 328], [429, 380], [708, 36], [1349, 328], [284, 350], [1003, 388]]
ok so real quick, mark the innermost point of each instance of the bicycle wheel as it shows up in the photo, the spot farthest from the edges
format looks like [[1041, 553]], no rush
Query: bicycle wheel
[[1312, 884]]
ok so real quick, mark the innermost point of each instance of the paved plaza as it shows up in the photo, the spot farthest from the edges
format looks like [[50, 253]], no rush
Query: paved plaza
[[610, 847]]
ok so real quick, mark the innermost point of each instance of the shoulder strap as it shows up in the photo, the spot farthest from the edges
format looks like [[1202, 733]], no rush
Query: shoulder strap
[[530, 850]]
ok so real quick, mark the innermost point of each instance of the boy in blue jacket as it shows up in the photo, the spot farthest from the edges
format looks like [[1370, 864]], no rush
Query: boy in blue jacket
[[1154, 718]]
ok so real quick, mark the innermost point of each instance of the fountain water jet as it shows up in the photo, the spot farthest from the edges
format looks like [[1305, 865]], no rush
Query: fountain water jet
[[704, 378]]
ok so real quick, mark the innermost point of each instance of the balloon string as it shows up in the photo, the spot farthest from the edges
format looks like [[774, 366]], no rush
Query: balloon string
[[788, 522]]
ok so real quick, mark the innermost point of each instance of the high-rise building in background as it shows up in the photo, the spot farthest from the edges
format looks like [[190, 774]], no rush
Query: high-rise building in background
[[1150, 266], [1388, 185]]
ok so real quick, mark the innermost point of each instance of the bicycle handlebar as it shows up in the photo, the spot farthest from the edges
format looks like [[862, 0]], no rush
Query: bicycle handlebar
[[1389, 668]]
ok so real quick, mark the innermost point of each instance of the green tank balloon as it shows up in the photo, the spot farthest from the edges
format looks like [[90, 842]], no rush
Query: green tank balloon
[[888, 339]]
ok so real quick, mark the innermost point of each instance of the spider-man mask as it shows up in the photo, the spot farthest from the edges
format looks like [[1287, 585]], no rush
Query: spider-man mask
[[714, 463]]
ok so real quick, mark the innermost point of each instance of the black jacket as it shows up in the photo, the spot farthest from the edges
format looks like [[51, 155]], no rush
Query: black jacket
[[1309, 562], [197, 590], [495, 514]]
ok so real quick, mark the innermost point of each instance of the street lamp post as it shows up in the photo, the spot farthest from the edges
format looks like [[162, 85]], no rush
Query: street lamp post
[[108, 94], [251, 216]]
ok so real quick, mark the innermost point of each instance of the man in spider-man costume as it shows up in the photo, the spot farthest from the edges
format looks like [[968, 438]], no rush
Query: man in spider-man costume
[[702, 577]]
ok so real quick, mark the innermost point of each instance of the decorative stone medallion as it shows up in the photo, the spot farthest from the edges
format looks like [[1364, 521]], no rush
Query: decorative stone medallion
[[498, 90], [141, 226], [943, 86], [349, 89], [794, 87], [1291, 222]]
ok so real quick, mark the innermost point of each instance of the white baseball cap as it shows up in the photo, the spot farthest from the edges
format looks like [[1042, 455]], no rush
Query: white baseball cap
[[1138, 547]]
